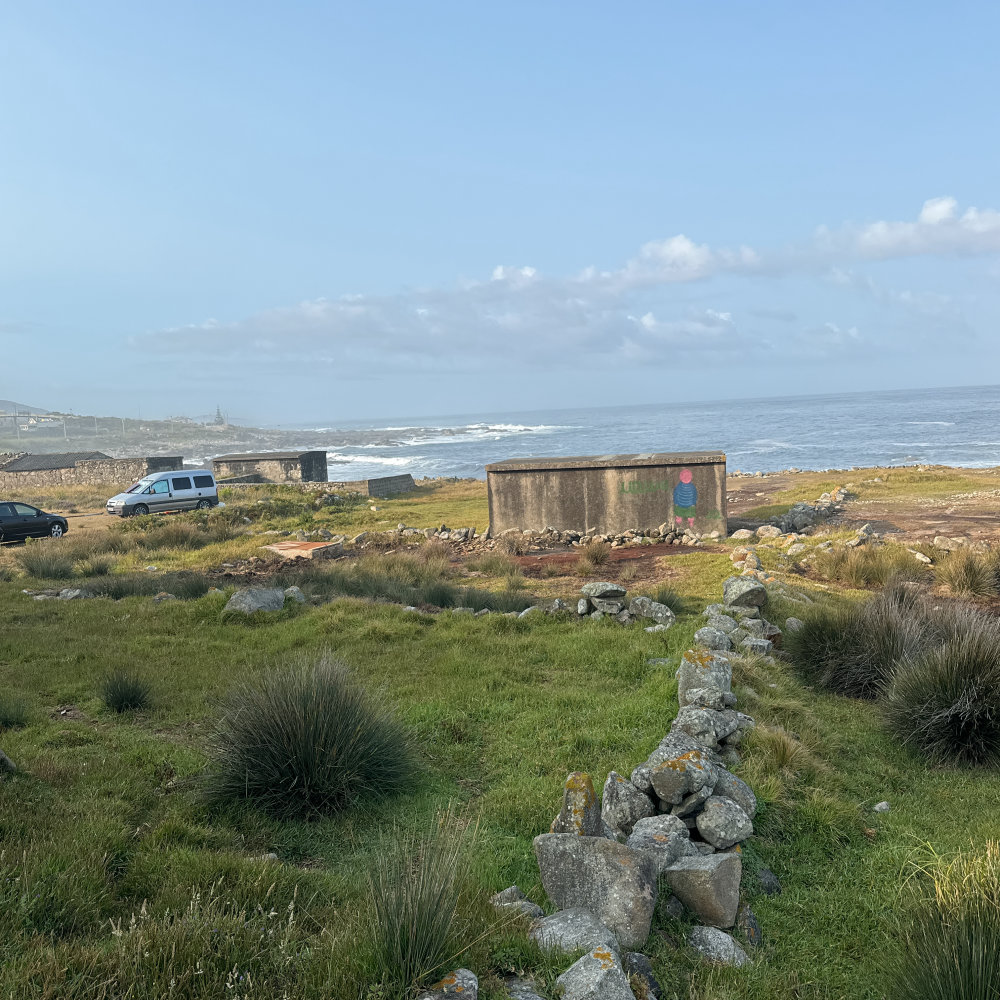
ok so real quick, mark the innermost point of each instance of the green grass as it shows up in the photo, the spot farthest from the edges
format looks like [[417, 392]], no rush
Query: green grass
[[107, 819]]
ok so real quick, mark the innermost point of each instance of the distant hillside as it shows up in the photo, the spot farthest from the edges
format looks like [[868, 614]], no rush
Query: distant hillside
[[9, 406]]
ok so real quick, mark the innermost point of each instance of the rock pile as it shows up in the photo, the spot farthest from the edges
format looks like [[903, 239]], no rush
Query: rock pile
[[601, 600]]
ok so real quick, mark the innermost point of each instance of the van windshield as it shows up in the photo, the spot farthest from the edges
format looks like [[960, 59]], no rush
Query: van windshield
[[140, 486]]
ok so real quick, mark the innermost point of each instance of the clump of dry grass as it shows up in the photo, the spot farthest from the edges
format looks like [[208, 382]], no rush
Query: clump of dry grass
[[512, 544]]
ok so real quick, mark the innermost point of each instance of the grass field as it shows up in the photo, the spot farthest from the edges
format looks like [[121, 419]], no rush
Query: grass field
[[119, 878]]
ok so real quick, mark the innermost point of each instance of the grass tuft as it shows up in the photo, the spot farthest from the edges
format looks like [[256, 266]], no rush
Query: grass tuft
[[122, 691], [951, 942], [968, 574], [415, 897], [946, 701], [14, 711], [44, 561], [870, 565], [305, 740]]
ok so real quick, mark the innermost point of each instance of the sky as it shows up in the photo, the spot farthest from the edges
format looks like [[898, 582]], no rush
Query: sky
[[321, 211]]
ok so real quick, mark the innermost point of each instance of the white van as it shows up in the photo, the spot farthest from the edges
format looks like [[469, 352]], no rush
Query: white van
[[185, 489]]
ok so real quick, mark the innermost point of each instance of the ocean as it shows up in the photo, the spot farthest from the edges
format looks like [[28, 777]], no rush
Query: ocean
[[957, 426]]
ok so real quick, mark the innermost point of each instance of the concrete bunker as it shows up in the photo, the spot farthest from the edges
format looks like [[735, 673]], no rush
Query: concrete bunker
[[272, 467], [609, 494]]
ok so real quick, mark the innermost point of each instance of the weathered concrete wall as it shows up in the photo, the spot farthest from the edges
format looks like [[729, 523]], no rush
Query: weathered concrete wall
[[609, 494], [310, 467], [381, 487], [111, 472]]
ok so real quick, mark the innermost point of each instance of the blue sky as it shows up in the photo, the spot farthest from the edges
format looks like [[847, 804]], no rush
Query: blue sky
[[341, 211]]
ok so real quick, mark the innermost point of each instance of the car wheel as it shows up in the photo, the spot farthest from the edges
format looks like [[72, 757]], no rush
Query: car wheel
[[56, 531], [204, 504], [140, 508]]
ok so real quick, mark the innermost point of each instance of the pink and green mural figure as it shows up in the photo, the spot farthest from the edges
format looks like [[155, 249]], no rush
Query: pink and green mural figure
[[685, 498]]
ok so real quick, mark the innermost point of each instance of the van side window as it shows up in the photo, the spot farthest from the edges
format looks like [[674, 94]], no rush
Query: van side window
[[160, 486], [203, 482], [182, 484]]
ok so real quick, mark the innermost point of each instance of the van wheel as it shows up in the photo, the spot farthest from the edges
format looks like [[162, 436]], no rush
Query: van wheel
[[56, 531], [140, 508], [204, 504]]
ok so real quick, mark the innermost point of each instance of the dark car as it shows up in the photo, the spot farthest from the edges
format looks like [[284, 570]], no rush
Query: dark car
[[20, 520]]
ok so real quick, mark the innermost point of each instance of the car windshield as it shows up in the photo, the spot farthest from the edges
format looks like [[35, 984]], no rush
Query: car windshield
[[139, 486]]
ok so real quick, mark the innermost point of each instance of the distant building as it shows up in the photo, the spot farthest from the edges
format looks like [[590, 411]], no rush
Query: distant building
[[273, 467]]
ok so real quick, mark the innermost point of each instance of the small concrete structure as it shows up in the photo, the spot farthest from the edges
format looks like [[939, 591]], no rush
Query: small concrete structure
[[306, 550], [273, 467], [384, 486], [87, 468], [609, 494]]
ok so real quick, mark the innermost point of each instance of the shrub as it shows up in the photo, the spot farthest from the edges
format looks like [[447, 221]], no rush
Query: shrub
[[597, 551], [44, 561], [122, 691], [951, 940], [305, 740], [512, 544], [13, 711], [968, 574], [665, 594], [415, 895], [946, 701], [852, 649]]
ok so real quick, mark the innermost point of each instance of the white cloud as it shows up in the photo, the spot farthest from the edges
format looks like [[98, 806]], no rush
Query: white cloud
[[591, 319]]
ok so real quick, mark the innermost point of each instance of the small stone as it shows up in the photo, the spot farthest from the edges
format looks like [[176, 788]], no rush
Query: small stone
[[573, 929], [656, 628], [460, 983], [717, 946], [737, 789], [677, 777], [741, 534], [709, 886], [664, 838], [744, 591], [769, 883], [748, 923], [596, 976], [295, 594], [768, 531], [640, 968], [722, 823], [583, 606], [605, 590], [253, 599], [711, 638], [521, 989], [581, 812], [527, 612], [759, 647], [608, 605], [881, 807], [622, 804]]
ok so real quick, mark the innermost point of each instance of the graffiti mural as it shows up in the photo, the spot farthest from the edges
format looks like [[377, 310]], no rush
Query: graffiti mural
[[685, 498]]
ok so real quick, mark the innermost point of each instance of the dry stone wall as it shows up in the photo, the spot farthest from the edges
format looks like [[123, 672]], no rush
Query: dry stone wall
[[110, 472]]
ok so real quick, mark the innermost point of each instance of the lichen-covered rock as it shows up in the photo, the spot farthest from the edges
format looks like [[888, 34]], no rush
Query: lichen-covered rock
[[722, 823], [727, 784], [521, 989], [604, 589], [617, 884], [672, 745], [744, 591], [701, 669], [596, 976], [581, 812], [583, 606], [460, 983], [690, 804], [664, 838], [703, 725], [717, 946], [709, 886], [708, 697], [723, 623], [622, 804], [646, 607], [794, 624], [679, 776], [608, 605], [749, 925], [572, 929], [759, 647], [712, 638]]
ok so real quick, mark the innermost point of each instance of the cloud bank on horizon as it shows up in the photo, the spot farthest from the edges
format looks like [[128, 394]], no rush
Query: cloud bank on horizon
[[599, 318]]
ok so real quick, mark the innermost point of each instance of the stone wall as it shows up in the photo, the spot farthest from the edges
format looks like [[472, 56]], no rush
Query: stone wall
[[309, 467], [609, 493], [115, 473]]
